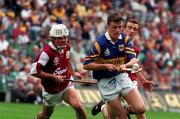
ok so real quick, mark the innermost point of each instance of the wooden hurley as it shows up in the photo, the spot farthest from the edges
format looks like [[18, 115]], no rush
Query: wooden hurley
[[88, 81]]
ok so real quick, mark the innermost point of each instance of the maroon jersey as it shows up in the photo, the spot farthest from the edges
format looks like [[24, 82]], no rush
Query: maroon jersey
[[51, 61], [133, 76]]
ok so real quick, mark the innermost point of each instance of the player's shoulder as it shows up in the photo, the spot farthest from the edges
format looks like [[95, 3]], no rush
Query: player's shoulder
[[136, 48], [47, 48], [125, 38], [101, 39]]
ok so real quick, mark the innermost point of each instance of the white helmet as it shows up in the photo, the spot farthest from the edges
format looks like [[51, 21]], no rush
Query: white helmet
[[58, 30]]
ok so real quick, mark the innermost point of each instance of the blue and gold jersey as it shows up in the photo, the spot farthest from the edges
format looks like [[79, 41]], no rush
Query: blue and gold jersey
[[105, 51]]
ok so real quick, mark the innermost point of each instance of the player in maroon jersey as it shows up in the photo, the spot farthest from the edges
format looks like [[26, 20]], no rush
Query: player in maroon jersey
[[131, 28], [52, 66]]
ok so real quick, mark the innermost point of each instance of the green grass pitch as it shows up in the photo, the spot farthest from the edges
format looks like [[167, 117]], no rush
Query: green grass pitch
[[28, 111]]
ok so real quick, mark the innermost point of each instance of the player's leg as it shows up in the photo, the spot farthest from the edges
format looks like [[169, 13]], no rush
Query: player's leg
[[49, 102], [136, 103], [131, 95], [110, 91], [102, 107], [105, 112], [71, 97], [46, 112], [139, 116], [99, 107], [115, 109]]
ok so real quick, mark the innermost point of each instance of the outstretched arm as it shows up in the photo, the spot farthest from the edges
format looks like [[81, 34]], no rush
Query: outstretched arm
[[36, 69], [46, 76], [147, 85]]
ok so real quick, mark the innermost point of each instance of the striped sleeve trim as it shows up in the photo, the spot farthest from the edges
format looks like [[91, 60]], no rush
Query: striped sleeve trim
[[130, 52], [97, 47], [126, 39], [92, 56], [129, 49]]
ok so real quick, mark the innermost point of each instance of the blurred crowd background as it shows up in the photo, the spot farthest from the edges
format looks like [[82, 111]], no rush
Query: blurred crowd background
[[24, 27]]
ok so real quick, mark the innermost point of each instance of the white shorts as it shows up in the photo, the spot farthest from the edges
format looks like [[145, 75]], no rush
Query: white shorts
[[111, 88], [53, 99]]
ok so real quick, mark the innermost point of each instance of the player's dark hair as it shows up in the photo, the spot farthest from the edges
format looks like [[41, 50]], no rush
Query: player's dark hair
[[114, 17], [132, 20]]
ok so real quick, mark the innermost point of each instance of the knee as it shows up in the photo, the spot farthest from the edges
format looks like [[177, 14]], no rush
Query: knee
[[78, 106], [122, 114], [140, 109]]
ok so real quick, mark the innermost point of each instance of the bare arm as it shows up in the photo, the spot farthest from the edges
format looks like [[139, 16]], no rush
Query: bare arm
[[95, 66], [37, 71], [128, 64], [131, 62], [47, 76], [141, 77], [148, 85]]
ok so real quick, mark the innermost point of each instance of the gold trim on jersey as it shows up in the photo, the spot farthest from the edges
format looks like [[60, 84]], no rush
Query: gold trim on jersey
[[116, 61], [130, 52], [130, 49], [126, 39], [98, 47]]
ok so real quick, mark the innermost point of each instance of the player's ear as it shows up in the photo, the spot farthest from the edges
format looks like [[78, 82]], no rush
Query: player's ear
[[50, 38]]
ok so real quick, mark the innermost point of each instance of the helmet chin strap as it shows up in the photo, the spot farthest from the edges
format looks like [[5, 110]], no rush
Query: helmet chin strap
[[59, 49]]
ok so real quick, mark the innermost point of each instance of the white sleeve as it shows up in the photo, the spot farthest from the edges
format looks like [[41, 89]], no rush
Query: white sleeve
[[43, 59]]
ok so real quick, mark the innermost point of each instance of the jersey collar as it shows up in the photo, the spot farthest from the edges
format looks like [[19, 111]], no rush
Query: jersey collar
[[109, 38], [52, 45]]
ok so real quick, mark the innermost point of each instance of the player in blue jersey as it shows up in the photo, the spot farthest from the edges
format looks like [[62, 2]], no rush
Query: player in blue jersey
[[105, 59], [131, 29]]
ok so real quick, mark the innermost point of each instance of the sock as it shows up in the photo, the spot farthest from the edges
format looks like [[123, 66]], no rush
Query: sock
[[102, 107]]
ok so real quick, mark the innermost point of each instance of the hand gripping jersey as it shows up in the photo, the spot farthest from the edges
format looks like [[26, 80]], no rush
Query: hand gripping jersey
[[105, 51], [51, 61]]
